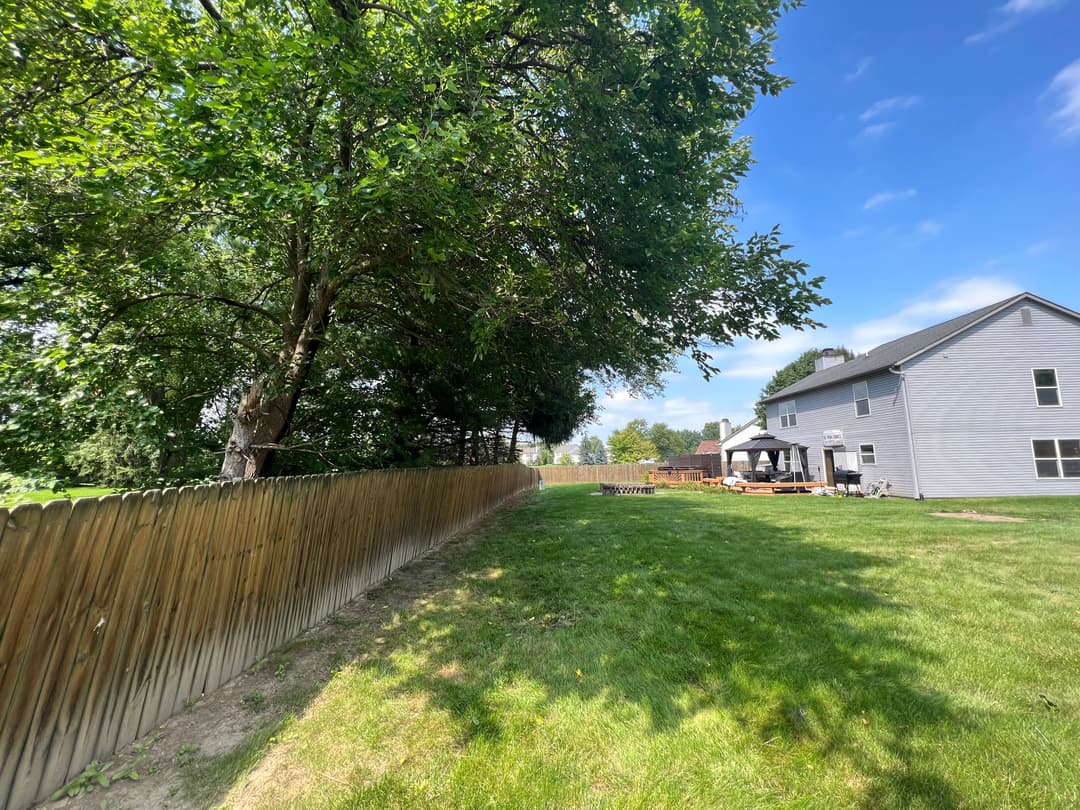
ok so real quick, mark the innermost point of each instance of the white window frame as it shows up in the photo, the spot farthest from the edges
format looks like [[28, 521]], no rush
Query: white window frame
[[1058, 458], [791, 415], [857, 399], [863, 454], [1056, 386]]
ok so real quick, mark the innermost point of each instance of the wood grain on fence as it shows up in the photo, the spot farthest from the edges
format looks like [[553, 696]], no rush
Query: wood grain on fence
[[584, 473], [115, 610]]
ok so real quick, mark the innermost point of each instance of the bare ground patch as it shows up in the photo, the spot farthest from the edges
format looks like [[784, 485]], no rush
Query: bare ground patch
[[240, 717], [979, 516]]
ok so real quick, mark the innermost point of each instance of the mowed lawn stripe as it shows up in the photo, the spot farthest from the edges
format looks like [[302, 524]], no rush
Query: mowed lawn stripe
[[699, 649]]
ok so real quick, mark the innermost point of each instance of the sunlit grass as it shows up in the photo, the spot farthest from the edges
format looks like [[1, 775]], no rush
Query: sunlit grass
[[697, 649], [44, 495]]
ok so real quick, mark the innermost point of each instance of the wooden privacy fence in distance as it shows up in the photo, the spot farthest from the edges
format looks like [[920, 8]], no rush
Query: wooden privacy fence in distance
[[115, 610], [583, 473]]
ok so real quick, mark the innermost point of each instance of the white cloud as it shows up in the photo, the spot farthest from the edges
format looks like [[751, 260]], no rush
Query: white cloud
[[885, 197], [860, 69], [620, 407], [1009, 14], [1025, 6], [1038, 248], [875, 131], [760, 359], [928, 228], [889, 105], [946, 301], [1066, 89]]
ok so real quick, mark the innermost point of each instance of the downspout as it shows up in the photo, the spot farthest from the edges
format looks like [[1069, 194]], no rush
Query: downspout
[[910, 435]]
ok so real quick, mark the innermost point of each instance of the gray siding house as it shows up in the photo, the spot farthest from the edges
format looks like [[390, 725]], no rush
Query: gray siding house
[[984, 404]]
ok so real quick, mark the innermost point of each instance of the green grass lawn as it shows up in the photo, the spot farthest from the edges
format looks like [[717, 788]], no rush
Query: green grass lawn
[[702, 650], [43, 495]]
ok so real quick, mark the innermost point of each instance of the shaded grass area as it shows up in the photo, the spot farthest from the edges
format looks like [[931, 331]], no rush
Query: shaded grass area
[[703, 650], [43, 495]]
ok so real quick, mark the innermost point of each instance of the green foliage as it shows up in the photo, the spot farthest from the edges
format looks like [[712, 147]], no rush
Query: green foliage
[[593, 450], [547, 456], [798, 369], [296, 237], [691, 439], [711, 431], [565, 458], [630, 445], [95, 775], [668, 442]]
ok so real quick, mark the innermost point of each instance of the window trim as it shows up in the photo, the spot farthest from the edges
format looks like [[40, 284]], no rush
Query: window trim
[[856, 399], [792, 415], [872, 454], [1057, 387], [1058, 458]]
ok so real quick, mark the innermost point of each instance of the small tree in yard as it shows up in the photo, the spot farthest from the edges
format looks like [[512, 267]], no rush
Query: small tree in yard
[[629, 445]]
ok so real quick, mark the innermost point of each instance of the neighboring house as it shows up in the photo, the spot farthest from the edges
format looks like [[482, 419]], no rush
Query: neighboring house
[[984, 404], [709, 447], [572, 450], [530, 452], [730, 438]]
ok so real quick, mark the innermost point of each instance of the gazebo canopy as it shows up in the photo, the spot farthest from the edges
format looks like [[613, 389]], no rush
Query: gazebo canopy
[[771, 446], [761, 442]]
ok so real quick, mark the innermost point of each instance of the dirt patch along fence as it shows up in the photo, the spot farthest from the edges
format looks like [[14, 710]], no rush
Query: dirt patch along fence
[[114, 611], [585, 473]]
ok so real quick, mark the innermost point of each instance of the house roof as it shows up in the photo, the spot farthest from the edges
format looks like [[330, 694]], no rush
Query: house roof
[[707, 446], [905, 348]]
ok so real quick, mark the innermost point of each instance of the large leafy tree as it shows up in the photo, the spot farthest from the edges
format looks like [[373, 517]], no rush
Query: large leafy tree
[[453, 214], [668, 442], [799, 368]]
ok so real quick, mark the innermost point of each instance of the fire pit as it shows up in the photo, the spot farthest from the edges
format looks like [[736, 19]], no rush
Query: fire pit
[[627, 488]]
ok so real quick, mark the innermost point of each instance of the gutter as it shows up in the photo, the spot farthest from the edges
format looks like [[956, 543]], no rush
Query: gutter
[[910, 436]]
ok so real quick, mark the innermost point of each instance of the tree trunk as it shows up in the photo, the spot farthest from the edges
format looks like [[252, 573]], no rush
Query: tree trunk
[[258, 427], [513, 441], [262, 421]]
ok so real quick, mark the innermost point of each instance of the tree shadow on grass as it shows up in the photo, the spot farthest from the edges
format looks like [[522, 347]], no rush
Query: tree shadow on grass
[[677, 609], [668, 609]]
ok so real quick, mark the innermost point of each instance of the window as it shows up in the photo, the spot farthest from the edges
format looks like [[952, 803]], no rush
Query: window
[[788, 417], [1056, 458], [861, 394], [1046, 387], [786, 455], [867, 455]]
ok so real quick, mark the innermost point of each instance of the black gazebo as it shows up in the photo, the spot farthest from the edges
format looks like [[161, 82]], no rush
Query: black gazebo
[[772, 447]]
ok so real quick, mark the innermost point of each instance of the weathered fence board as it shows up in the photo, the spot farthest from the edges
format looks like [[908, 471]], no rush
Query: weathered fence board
[[117, 610], [585, 473]]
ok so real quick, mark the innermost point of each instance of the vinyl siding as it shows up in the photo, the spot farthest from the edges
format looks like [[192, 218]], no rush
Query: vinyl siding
[[973, 408], [833, 408]]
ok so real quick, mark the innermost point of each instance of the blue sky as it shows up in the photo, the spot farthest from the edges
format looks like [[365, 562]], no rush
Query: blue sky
[[926, 162]]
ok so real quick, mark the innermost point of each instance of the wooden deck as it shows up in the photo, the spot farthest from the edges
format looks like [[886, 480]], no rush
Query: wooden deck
[[777, 487]]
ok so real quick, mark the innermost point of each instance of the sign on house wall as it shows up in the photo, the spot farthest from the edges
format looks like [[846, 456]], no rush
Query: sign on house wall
[[833, 438]]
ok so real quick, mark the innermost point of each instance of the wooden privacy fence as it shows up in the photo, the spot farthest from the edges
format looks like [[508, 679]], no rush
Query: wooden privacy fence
[[583, 473], [115, 610]]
